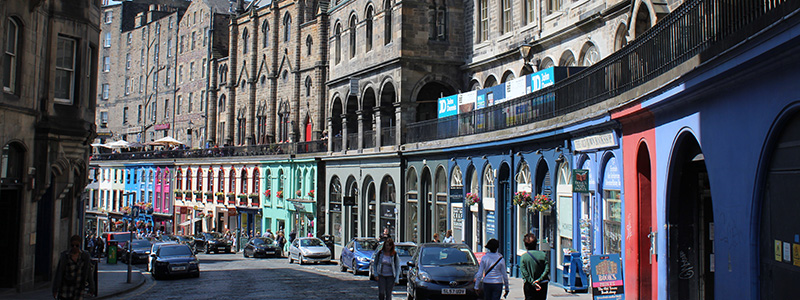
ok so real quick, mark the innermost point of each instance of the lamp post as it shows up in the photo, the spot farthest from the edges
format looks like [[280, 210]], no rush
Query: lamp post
[[525, 53], [134, 213]]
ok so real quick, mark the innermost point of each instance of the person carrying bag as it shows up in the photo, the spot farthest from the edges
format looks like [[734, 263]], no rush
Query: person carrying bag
[[492, 280], [535, 267]]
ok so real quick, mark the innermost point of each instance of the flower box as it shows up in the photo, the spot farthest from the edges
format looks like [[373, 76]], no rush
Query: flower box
[[542, 203], [472, 199], [311, 193], [279, 194]]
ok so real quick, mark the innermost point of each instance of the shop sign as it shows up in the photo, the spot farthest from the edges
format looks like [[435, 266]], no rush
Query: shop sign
[[349, 200], [448, 106], [336, 207], [580, 180], [162, 126], [592, 142], [607, 277], [456, 195], [491, 225]]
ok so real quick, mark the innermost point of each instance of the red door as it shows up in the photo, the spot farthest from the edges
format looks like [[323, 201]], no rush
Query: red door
[[646, 259], [308, 131]]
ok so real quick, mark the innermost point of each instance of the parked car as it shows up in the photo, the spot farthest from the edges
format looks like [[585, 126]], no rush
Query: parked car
[[262, 246], [140, 251], [406, 251], [357, 255], [442, 270], [175, 260], [309, 249], [211, 241], [153, 251]]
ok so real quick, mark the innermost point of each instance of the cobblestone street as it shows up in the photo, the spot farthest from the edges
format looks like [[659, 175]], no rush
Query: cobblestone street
[[235, 277]]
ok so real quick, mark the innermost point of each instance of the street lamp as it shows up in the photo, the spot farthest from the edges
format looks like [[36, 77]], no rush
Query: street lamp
[[130, 234], [525, 53]]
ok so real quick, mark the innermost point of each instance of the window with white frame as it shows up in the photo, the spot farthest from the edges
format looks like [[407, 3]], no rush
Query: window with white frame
[[553, 6], [65, 70], [127, 61], [129, 38], [10, 56], [483, 20], [103, 119], [506, 16], [105, 88], [245, 40], [523, 180], [108, 16], [169, 47], [265, 34], [169, 75], [106, 63], [287, 27], [191, 71], [530, 11], [107, 40], [127, 85], [189, 103], [203, 67]]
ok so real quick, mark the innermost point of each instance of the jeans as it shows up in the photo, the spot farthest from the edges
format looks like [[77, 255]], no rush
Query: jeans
[[385, 286], [492, 291], [532, 294]]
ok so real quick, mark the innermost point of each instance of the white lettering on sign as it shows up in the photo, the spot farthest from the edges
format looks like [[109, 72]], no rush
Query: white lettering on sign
[[605, 140]]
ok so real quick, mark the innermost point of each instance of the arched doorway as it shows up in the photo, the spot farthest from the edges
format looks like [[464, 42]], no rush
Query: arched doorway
[[370, 206], [388, 206], [644, 193], [778, 217], [488, 206], [335, 206], [474, 226], [336, 124], [412, 206], [563, 211], [691, 222], [351, 123], [426, 198], [11, 188], [505, 212], [428, 100], [440, 209], [546, 228], [351, 192]]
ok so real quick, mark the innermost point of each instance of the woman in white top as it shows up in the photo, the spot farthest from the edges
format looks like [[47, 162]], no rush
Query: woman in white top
[[492, 272]]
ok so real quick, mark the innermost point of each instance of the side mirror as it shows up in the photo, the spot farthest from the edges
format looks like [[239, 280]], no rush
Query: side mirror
[[152, 255], [410, 263]]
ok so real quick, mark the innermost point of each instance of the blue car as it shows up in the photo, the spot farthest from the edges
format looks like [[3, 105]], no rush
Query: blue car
[[357, 254]]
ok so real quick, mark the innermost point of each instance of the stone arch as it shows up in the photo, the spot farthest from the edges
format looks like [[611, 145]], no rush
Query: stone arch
[[547, 62], [490, 81], [427, 92], [474, 84], [567, 59], [508, 75], [589, 54]]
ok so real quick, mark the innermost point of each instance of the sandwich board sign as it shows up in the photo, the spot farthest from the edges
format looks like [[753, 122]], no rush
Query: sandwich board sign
[[607, 283]]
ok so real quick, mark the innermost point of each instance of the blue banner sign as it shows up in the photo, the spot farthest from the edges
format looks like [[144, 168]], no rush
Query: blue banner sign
[[448, 106]]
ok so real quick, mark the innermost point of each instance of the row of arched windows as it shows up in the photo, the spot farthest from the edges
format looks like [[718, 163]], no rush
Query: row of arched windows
[[287, 34], [368, 33]]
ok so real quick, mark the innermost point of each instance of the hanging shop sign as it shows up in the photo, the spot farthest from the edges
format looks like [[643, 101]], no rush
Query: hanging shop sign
[[580, 180], [349, 200], [162, 126], [607, 280]]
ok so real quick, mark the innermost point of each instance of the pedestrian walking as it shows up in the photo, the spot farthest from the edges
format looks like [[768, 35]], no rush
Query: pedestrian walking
[[73, 272], [436, 238], [448, 237], [292, 235], [385, 266], [100, 246], [491, 277], [268, 233], [535, 267], [281, 240]]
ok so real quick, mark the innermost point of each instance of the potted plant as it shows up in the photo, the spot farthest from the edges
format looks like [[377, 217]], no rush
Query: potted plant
[[311, 193], [299, 193], [279, 194], [472, 198], [542, 203], [253, 195], [267, 193], [522, 199]]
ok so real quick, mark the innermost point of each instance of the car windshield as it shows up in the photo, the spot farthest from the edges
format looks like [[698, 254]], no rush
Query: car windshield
[[310, 242], [263, 241], [445, 256], [140, 244], [367, 245], [406, 250], [212, 235], [175, 251]]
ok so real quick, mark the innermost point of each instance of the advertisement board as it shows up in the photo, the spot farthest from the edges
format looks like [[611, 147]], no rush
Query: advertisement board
[[607, 280], [448, 106]]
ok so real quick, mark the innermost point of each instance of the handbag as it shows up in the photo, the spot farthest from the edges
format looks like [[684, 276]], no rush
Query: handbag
[[480, 283]]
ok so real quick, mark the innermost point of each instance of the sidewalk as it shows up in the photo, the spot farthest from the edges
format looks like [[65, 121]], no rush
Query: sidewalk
[[111, 281], [553, 291]]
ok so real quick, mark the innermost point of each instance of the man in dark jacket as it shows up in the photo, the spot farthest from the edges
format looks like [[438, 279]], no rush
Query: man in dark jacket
[[73, 271], [534, 266]]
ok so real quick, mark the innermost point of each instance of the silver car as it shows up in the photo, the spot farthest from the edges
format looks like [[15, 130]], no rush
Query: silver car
[[309, 249]]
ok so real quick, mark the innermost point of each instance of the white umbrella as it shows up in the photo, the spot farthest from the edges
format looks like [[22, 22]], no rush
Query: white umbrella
[[118, 144], [166, 141]]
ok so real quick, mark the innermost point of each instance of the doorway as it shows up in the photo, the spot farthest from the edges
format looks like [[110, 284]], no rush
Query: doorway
[[691, 225], [646, 235]]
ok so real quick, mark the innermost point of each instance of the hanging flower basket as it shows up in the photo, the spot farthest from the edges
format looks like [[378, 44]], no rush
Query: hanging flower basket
[[299, 193], [279, 194], [472, 198], [200, 215], [241, 196], [523, 199], [267, 193], [253, 195], [311, 193], [542, 203]]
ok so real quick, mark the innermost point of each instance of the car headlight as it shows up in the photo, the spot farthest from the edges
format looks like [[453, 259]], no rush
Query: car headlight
[[194, 262], [363, 259], [161, 263], [424, 276]]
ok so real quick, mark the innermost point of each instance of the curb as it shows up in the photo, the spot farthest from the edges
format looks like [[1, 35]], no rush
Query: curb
[[133, 287]]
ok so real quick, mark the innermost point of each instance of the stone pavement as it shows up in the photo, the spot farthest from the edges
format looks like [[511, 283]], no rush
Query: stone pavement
[[111, 281], [554, 292]]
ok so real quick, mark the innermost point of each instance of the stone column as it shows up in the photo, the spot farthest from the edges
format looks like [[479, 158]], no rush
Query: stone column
[[361, 129], [377, 125], [329, 121], [344, 133]]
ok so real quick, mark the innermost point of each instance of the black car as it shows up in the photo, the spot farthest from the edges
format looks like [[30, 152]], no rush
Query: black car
[[262, 246], [172, 260], [442, 271], [140, 251], [211, 241]]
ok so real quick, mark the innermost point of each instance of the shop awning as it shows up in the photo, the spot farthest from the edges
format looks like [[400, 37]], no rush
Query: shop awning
[[186, 223]]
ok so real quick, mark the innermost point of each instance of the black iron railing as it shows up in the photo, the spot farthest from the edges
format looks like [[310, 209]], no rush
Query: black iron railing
[[705, 27]]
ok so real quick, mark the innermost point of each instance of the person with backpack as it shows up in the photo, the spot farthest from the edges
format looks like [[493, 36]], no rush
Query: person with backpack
[[535, 267], [491, 277]]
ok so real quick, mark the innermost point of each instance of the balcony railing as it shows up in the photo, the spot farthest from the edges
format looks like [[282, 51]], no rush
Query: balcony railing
[[706, 27], [337, 143], [255, 150], [369, 139], [387, 136], [352, 141]]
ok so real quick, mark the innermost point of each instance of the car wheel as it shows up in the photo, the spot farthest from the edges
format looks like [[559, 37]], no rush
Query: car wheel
[[355, 267], [208, 249], [301, 259], [290, 258], [244, 253], [342, 267]]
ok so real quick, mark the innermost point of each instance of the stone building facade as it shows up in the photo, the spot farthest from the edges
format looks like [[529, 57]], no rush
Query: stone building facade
[[47, 108], [272, 86]]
